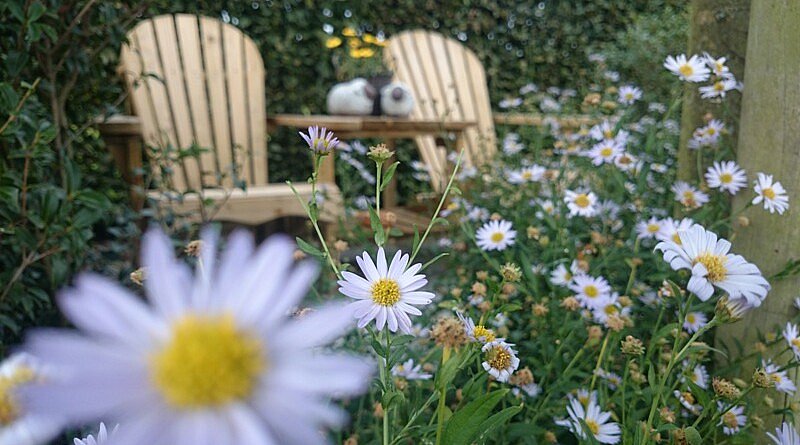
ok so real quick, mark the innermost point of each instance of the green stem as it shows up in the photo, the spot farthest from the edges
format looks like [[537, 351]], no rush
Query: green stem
[[442, 396], [386, 377], [378, 181], [599, 360]]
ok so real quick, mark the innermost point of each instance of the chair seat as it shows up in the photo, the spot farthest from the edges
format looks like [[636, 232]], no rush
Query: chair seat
[[255, 205]]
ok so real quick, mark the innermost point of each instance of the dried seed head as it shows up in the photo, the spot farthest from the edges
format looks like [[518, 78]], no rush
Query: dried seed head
[[632, 346], [725, 389], [511, 272]]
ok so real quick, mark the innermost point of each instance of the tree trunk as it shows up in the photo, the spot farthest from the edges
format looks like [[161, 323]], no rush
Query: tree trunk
[[718, 27], [769, 142]]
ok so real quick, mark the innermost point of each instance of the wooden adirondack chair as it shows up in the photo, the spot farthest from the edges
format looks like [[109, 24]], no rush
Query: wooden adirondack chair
[[449, 83], [197, 80]]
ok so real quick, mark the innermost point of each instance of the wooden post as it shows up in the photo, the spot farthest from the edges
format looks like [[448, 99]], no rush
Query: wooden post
[[769, 142], [718, 27]]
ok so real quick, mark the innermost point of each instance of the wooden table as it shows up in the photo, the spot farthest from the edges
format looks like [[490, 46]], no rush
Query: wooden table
[[389, 129]]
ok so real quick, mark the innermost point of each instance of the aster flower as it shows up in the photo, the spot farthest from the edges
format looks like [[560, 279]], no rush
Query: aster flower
[[629, 94], [561, 276], [718, 89], [500, 359], [694, 321], [612, 380], [18, 424], [607, 307], [649, 228], [717, 66], [772, 194], [512, 144], [688, 195], [409, 371], [726, 176], [605, 152], [790, 334], [785, 435], [732, 420], [688, 401], [590, 291], [102, 438], [697, 374], [388, 293], [581, 203], [670, 228], [589, 419], [602, 131], [476, 333], [533, 173], [691, 70], [781, 378], [712, 266], [320, 140], [214, 356], [495, 235], [512, 102]]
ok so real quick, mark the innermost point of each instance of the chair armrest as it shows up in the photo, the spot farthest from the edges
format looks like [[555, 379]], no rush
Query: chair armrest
[[536, 119], [120, 125], [122, 135]]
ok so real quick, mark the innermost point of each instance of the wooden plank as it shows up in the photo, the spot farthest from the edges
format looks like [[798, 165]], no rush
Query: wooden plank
[[211, 38], [233, 49], [570, 121], [355, 124], [444, 73], [427, 67], [487, 139], [167, 41], [257, 112], [463, 87], [195, 84]]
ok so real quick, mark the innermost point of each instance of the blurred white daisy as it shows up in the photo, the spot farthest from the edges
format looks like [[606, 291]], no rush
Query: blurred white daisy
[[612, 380], [512, 102], [533, 173], [688, 401], [732, 420], [649, 228], [103, 436], [409, 371], [561, 276], [694, 321], [528, 88], [781, 379], [707, 257], [629, 94], [688, 195], [476, 333], [19, 426], [512, 144], [532, 390], [214, 357], [581, 203], [797, 303], [589, 419], [605, 152], [790, 334], [670, 228], [691, 70], [607, 307], [590, 291], [496, 235], [718, 89], [785, 435], [717, 66], [500, 360], [697, 374], [388, 293], [726, 175], [602, 131], [771, 193]]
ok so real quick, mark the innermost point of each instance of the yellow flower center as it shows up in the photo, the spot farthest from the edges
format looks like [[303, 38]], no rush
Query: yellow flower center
[[527, 175], [499, 358], [593, 426], [777, 378], [386, 292], [730, 420], [719, 86], [9, 407], [208, 362], [726, 178], [688, 397], [686, 70], [610, 309], [796, 342], [497, 237], [582, 200], [629, 96], [715, 265], [690, 318], [591, 291], [481, 331], [768, 193], [653, 228], [584, 399], [606, 152], [676, 239], [608, 134]]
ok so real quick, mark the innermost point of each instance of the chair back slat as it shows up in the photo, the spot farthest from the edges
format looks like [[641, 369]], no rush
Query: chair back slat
[[448, 83], [196, 80]]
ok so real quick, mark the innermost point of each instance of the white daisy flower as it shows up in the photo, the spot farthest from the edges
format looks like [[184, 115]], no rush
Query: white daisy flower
[[512, 102], [476, 333], [628, 94], [589, 419], [528, 88], [697, 374], [532, 390], [707, 257], [607, 307], [533, 173], [548, 206], [726, 175], [732, 420], [103, 436], [797, 303], [512, 144], [500, 360], [713, 129], [670, 228], [718, 89], [561, 276], [781, 379], [590, 291], [692, 70], [214, 357], [18, 425], [612, 380], [581, 203], [694, 321], [389, 292], [688, 195], [717, 66], [495, 235], [605, 152], [688, 401], [790, 334], [785, 435], [409, 371], [772, 194], [628, 163], [602, 131], [648, 229]]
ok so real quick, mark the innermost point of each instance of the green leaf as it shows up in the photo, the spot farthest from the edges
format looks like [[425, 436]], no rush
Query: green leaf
[[388, 175], [377, 227], [465, 424], [36, 10], [693, 436], [492, 423], [435, 259], [308, 248]]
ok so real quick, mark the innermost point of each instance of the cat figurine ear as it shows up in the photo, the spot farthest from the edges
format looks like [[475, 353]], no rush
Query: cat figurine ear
[[355, 97], [396, 100]]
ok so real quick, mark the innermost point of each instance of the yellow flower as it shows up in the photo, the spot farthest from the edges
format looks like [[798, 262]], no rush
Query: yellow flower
[[369, 38], [333, 42], [354, 43], [349, 32], [362, 53]]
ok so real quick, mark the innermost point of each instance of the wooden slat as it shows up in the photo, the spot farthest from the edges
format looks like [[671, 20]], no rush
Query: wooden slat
[[194, 76], [257, 118], [428, 69], [457, 62], [233, 49], [167, 41], [535, 119], [211, 38], [367, 123], [487, 138]]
